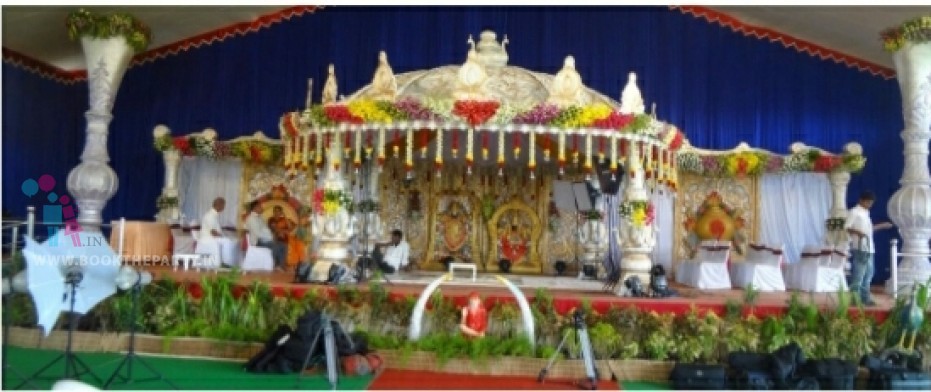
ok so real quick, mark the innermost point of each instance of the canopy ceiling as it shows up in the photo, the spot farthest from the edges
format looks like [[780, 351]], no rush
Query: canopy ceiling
[[39, 32]]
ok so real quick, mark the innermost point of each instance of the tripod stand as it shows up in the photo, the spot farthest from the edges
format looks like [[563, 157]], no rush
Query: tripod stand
[[585, 347], [74, 366], [131, 356], [330, 353]]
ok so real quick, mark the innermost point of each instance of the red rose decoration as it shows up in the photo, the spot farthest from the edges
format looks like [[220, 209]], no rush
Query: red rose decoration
[[182, 144], [341, 114], [826, 163], [614, 120], [255, 153], [475, 112]]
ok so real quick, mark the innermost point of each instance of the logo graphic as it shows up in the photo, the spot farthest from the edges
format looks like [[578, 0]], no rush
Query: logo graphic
[[57, 212]]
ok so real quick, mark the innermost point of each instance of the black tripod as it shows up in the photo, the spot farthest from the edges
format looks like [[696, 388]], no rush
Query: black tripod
[[131, 356], [330, 353], [585, 347], [74, 366]]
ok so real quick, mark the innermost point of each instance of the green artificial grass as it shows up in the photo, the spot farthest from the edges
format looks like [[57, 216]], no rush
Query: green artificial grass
[[184, 373], [645, 386]]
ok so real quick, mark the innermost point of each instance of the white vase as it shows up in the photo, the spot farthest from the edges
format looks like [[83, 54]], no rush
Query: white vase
[[92, 183], [910, 206]]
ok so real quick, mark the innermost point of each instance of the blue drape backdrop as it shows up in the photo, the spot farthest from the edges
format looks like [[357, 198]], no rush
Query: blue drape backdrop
[[718, 86]]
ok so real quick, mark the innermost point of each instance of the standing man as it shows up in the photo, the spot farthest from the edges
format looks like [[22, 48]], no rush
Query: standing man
[[261, 235], [211, 231], [861, 228], [395, 254]]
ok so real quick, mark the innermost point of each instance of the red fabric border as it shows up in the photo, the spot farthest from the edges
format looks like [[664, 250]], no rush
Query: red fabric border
[[208, 38], [42, 69], [785, 40], [222, 34]]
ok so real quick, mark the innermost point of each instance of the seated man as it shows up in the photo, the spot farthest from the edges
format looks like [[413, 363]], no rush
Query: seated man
[[474, 318], [210, 230], [395, 254], [260, 234]]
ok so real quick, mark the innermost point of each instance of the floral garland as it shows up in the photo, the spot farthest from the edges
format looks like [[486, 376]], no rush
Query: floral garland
[[367, 205], [592, 214], [202, 146], [754, 163], [476, 113], [329, 201], [163, 202], [638, 213], [83, 23], [835, 224], [917, 30]]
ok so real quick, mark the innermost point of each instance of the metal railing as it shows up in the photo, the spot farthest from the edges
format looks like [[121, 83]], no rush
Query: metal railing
[[15, 233], [894, 264]]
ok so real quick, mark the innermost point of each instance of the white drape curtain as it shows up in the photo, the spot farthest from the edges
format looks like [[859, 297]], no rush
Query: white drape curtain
[[793, 209], [664, 204], [201, 180]]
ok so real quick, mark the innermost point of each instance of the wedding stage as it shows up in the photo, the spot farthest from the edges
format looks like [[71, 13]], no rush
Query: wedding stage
[[512, 170]]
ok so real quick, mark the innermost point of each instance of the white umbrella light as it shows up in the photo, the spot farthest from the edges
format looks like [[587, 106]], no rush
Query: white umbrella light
[[85, 255]]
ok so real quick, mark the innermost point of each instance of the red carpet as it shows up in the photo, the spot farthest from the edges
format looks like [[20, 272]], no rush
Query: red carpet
[[413, 379]]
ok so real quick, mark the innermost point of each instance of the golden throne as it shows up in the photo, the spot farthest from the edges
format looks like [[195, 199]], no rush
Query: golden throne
[[453, 231], [514, 231]]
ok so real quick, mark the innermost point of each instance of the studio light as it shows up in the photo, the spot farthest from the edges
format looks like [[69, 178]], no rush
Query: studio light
[[129, 277], [70, 271]]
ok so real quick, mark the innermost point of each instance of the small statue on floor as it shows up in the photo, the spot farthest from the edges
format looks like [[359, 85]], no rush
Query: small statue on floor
[[474, 317]]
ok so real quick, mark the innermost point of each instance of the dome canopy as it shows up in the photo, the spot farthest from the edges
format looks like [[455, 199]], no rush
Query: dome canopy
[[509, 85]]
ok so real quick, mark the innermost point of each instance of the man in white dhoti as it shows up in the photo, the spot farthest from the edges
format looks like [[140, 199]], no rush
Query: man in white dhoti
[[212, 232], [395, 255]]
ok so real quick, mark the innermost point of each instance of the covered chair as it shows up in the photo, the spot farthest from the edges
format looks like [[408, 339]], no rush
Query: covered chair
[[208, 250], [819, 270], [762, 269], [257, 258], [708, 269]]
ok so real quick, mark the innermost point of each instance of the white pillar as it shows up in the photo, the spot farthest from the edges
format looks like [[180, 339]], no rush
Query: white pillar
[[172, 160], [636, 242], [910, 206], [839, 181], [93, 182]]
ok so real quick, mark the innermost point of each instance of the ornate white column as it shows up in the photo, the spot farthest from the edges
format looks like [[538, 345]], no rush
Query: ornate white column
[[169, 204], [636, 241], [835, 235], [910, 206], [93, 182], [333, 229]]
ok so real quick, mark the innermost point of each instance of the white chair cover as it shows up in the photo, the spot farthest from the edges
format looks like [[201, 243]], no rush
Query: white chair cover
[[817, 271], [257, 258], [709, 268], [762, 269], [209, 248]]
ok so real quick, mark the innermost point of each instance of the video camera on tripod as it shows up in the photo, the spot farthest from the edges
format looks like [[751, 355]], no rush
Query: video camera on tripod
[[585, 349]]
